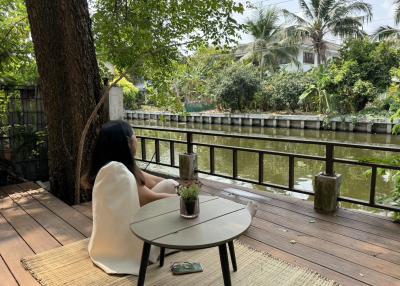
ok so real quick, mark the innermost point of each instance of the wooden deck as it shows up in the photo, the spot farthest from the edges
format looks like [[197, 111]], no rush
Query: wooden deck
[[349, 247]]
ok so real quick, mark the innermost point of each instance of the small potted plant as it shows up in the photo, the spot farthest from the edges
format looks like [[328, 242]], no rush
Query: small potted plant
[[189, 201]]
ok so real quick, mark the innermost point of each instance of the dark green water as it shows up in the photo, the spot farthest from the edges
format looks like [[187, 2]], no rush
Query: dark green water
[[356, 181]]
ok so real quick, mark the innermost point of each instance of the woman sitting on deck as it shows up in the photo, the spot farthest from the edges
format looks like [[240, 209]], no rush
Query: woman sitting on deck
[[120, 188], [117, 142]]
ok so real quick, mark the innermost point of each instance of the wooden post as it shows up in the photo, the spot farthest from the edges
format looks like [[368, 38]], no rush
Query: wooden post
[[327, 190], [188, 166]]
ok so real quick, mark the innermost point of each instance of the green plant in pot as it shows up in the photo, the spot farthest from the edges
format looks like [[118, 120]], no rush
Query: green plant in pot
[[189, 202]]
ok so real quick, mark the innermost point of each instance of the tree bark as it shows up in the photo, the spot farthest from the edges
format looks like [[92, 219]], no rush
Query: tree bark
[[69, 81]]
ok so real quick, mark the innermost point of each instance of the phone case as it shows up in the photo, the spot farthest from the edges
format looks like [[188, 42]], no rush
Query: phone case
[[186, 268]]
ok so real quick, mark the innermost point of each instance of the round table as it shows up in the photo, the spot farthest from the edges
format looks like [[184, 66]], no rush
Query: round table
[[220, 221]]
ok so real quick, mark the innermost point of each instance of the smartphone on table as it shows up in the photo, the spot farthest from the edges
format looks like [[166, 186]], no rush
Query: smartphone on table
[[180, 268]]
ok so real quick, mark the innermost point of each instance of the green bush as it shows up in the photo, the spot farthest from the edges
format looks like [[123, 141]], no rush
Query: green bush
[[359, 74], [362, 93], [235, 87], [131, 93], [281, 91]]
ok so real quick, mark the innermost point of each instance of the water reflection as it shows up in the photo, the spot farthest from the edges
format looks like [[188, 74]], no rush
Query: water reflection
[[356, 182]]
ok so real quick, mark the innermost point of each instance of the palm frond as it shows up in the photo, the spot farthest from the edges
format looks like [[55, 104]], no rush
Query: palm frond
[[386, 32], [315, 7], [293, 18], [342, 11], [349, 26], [304, 7], [325, 8]]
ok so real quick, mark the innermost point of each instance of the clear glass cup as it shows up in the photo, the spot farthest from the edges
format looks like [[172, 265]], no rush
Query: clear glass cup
[[189, 209]]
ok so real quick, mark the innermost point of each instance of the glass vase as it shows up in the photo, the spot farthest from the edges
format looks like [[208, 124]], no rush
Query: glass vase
[[189, 209]]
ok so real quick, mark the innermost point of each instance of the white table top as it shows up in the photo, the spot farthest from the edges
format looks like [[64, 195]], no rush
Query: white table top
[[219, 221]]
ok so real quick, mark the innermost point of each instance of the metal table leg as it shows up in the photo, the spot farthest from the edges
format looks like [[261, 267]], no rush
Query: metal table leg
[[223, 255], [162, 255], [233, 256], [144, 263]]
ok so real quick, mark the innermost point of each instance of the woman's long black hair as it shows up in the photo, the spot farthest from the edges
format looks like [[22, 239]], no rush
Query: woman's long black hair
[[114, 143]]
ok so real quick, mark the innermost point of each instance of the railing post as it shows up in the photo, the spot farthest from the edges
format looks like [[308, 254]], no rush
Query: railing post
[[291, 172], [373, 187], [212, 160], [189, 140], [172, 153], [260, 167], [188, 161], [157, 150], [143, 147], [234, 164], [329, 153], [327, 185]]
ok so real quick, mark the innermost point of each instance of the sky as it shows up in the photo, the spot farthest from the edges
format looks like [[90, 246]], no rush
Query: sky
[[383, 14]]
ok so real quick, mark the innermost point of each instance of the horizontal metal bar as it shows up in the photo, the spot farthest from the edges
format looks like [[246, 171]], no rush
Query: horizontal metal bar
[[367, 204], [367, 164], [161, 139], [279, 139]]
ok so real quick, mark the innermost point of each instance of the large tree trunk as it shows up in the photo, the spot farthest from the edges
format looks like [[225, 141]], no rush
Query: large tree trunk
[[69, 81]]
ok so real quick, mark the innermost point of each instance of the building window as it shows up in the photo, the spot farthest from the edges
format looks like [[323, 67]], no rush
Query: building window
[[308, 58]]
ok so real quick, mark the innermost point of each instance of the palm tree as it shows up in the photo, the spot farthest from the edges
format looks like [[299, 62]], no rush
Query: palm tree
[[389, 32], [271, 45], [338, 17]]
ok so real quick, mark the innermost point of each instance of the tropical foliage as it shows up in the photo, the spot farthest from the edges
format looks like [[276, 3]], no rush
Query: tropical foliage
[[235, 87], [17, 64], [355, 78], [147, 37], [281, 91], [338, 17], [389, 32], [196, 71], [271, 44]]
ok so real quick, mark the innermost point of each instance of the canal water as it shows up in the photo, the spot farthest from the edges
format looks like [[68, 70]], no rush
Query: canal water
[[356, 179]]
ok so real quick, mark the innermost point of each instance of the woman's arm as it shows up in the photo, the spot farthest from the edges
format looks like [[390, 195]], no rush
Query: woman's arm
[[151, 180], [146, 195]]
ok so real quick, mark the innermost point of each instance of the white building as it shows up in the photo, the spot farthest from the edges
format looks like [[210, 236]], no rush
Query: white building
[[306, 57]]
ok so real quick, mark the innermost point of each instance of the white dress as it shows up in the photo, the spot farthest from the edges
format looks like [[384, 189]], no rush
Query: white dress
[[112, 246]]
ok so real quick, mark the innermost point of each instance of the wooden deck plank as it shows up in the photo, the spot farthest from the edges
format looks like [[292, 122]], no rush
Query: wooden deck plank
[[57, 227], [323, 223], [12, 249], [7, 279], [344, 253], [343, 278], [85, 209], [366, 222], [312, 228], [321, 229], [332, 248], [295, 260], [32, 232], [332, 262], [76, 219]]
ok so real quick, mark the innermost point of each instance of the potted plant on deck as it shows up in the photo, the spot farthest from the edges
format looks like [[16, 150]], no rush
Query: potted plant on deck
[[189, 201]]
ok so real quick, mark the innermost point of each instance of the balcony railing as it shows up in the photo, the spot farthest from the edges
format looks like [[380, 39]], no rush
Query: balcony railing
[[328, 158]]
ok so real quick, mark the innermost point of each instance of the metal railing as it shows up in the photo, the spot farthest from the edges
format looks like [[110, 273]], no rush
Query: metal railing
[[23, 131], [329, 159]]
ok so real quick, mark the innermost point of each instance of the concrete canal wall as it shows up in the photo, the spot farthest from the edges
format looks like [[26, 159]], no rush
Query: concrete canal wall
[[340, 123]]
